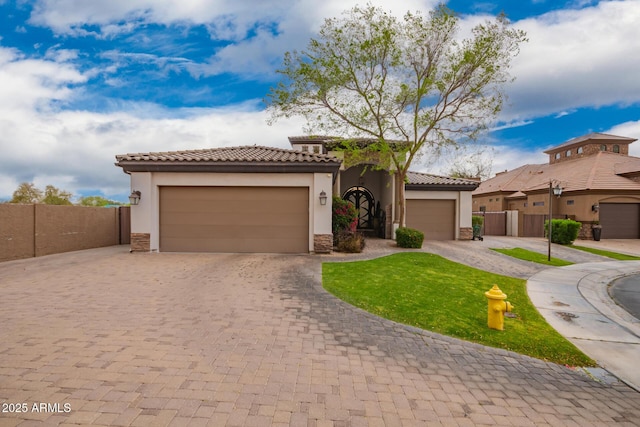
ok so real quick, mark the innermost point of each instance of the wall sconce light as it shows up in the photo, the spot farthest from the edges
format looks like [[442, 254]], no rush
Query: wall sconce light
[[595, 208], [323, 198], [134, 197]]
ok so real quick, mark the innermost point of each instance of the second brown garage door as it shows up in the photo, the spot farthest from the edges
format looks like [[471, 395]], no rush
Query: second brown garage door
[[435, 218], [234, 219], [620, 220]]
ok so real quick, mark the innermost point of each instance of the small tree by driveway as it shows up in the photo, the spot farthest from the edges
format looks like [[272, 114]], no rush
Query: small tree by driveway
[[404, 85]]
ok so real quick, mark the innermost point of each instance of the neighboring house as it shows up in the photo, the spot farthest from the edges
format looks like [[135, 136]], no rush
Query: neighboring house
[[261, 199], [600, 182]]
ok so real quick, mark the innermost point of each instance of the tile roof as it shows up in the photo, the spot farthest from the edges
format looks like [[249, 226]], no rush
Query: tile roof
[[418, 178], [598, 172], [245, 154]]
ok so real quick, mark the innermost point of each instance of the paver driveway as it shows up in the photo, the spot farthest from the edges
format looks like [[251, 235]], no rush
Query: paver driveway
[[206, 339]]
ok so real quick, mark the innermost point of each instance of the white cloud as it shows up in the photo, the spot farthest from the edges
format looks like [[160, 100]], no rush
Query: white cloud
[[32, 83], [510, 125], [226, 19], [75, 150], [577, 58], [260, 32]]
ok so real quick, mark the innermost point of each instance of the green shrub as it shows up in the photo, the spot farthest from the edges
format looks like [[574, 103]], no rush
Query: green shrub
[[409, 238], [350, 242], [477, 220], [563, 231]]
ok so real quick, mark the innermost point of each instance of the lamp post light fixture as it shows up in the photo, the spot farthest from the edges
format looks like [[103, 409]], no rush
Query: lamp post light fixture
[[134, 197], [557, 191], [323, 198]]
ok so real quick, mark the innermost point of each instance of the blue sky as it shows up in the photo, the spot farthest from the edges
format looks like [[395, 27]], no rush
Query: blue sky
[[83, 80]]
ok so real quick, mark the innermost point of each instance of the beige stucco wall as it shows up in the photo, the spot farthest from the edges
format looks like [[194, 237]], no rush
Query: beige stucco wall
[[145, 216], [492, 202], [576, 205]]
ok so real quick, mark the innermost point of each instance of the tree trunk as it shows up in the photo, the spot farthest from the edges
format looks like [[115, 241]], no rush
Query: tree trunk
[[401, 201]]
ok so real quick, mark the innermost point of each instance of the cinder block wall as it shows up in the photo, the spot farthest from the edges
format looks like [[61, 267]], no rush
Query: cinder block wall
[[17, 231], [36, 230]]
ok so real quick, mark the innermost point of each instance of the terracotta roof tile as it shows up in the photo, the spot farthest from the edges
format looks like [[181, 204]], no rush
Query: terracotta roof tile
[[597, 172], [418, 178], [243, 154]]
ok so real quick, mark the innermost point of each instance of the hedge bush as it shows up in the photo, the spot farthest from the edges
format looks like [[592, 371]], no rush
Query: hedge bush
[[409, 237], [563, 231]]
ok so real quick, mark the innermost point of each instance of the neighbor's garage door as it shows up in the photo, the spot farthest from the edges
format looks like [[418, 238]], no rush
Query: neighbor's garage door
[[620, 220], [435, 218], [234, 219]]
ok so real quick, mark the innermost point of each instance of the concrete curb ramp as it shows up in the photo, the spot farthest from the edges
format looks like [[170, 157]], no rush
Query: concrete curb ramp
[[575, 301]]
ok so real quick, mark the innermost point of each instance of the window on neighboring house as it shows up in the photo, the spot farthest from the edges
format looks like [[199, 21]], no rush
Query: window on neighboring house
[[526, 204], [316, 148], [616, 148], [568, 153], [305, 148], [497, 199], [557, 156], [538, 203], [603, 147], [483, 208], [490, 200], [580, 150], [571, 202]]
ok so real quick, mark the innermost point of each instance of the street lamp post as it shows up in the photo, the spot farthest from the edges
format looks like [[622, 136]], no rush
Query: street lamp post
[[553, 191]]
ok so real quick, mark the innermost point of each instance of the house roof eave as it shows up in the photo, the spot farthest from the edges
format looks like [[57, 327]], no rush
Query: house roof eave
[[440, 187], [228, 167]]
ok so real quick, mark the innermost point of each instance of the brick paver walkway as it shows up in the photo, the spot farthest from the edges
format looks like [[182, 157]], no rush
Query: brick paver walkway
[[253, 340]]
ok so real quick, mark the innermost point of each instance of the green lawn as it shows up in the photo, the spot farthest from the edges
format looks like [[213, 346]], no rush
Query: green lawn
[[609, 254], [532, 256], [433, 293]]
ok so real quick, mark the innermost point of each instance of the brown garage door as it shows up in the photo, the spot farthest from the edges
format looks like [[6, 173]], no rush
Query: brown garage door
[[435, 218], [234, 219], [620, 220]]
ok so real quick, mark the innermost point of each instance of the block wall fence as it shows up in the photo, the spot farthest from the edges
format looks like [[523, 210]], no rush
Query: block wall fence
[[33, 230]]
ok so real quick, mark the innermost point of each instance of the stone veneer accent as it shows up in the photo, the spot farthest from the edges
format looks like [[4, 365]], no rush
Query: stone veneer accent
[[140, 242], [466, 233], [322, 243], [585, 232]]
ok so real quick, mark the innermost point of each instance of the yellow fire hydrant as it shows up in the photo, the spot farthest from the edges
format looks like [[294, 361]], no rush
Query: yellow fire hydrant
[[497, 307]]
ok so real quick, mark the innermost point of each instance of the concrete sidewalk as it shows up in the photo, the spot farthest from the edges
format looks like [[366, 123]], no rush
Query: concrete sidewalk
[[575, 301]]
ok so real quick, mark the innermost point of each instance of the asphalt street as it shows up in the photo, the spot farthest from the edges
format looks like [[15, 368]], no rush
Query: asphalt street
[[626, 293]]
